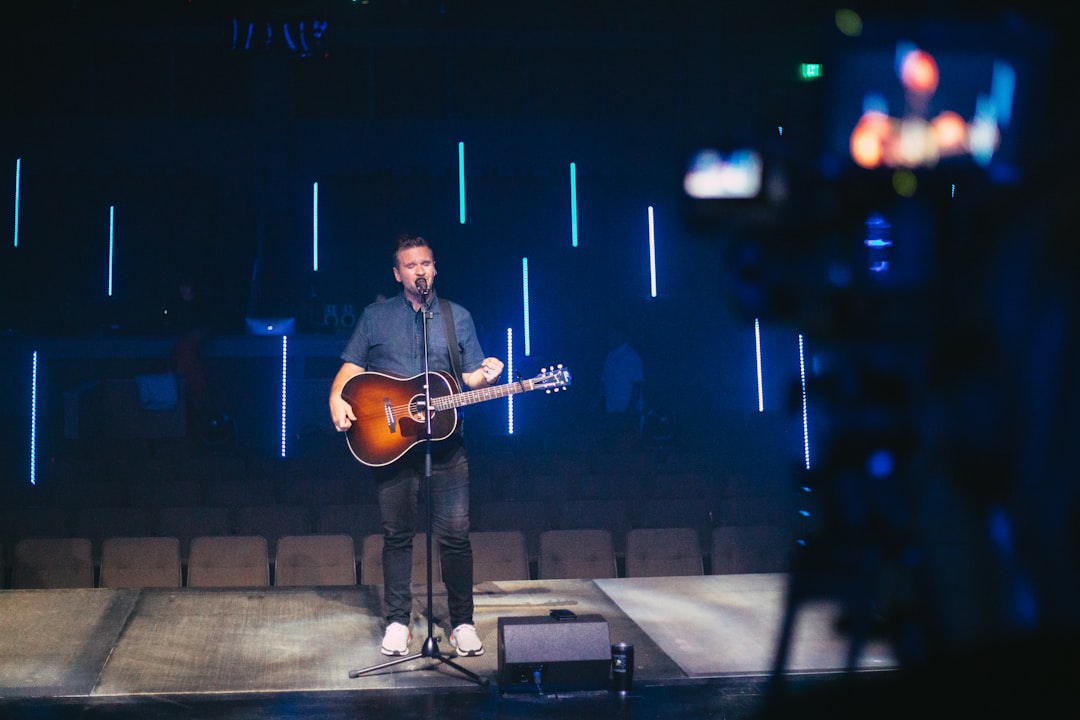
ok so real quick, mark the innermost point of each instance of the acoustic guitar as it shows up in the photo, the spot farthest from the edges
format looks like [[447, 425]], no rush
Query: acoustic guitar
[[391, 416]]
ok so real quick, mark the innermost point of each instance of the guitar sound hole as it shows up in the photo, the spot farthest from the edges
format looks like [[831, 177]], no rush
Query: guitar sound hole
[[416, 409]]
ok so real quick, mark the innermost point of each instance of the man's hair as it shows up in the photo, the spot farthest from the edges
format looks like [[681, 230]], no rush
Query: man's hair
[[405, 241]]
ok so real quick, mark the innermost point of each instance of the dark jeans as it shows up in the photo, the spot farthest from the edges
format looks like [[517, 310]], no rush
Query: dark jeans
[[397, 486]]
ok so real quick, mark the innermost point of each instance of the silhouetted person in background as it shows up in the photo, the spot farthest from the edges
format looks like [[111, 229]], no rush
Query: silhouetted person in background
[[186, 318]]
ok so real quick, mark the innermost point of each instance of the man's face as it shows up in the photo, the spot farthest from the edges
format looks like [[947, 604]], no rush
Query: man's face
[[414, 263]]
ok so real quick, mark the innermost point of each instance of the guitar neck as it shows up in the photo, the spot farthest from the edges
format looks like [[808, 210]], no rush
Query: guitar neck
[[470, 397]]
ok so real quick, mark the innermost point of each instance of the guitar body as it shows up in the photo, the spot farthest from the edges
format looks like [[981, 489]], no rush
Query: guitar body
[[390, 414]]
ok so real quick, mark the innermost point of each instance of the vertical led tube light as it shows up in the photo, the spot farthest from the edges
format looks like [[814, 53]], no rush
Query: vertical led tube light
[[525, 303], [805, 423], [18, 185], [573, 205], [652, 253], [33, 417], [757, 352], [509, 375], [112, 222], [315, 226], [284, 387], [112, 214], [461, 181]]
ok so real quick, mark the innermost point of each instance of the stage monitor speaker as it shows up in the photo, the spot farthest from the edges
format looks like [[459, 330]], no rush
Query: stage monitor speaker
[[541, 653]]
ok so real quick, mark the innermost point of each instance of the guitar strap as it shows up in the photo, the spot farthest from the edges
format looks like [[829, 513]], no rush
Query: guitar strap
[[451, 338]]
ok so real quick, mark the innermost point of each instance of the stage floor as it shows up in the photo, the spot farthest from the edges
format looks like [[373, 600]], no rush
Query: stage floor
[[289, 652]]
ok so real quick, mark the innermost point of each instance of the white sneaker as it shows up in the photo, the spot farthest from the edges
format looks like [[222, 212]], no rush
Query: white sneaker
[[466, 642], [396, 640]]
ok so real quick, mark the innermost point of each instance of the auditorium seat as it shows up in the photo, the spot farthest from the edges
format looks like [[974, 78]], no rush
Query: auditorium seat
[[137, 562], [700, 485], [751, 549], [663, 552], [697, 513], [358, 483], [17, 522], [77, 494], [569, 554], [136, 469], [531, 485], [595, 485], [60, 470], [98, 523], [232, 493], [499, 555], [158, 493], [770, 509], [300, 488], [611, 514], [210, 469], [371, 565], [228, 561], [53, 563], [354, 519], [528, 516], [315, 560], [273, 522], [190, 521]]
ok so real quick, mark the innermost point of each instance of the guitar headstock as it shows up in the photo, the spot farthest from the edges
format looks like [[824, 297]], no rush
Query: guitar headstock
[[552, 379]]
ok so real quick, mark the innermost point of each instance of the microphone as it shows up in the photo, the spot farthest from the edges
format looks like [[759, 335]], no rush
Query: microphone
[[422, 286]]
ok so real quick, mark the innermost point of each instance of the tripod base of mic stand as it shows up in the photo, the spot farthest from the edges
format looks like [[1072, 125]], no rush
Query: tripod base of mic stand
[[430, 650]]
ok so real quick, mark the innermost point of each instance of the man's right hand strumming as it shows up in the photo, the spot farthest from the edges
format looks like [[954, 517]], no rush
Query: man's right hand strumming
[[341, 412]]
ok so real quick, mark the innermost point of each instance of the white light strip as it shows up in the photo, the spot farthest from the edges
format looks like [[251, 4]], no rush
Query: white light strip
[[652, 252], [33, 418], [805, 423], [315, 226], [509, 378], [284, 386], [757, 351]]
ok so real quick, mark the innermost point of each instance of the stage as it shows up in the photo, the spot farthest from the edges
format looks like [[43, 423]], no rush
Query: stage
[[289, 652]]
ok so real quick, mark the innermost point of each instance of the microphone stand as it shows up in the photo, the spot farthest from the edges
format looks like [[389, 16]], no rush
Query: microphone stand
[[430, 648]]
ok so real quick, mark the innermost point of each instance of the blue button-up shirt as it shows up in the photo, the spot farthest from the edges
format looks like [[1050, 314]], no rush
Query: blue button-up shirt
[[389, 338]]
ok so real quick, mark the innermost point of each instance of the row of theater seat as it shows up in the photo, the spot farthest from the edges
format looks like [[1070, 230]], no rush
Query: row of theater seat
[[74, 493], [333, 559], [359, 519], [232, 480]]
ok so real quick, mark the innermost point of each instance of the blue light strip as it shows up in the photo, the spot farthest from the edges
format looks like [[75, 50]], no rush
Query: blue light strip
[[461, 181], [33, 418], [652, 252], [757, 351], [805, 419], [112, 222], [525, 303], [509, 377], [315, 226], [573, 204], [18, 182], [284, 386]]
